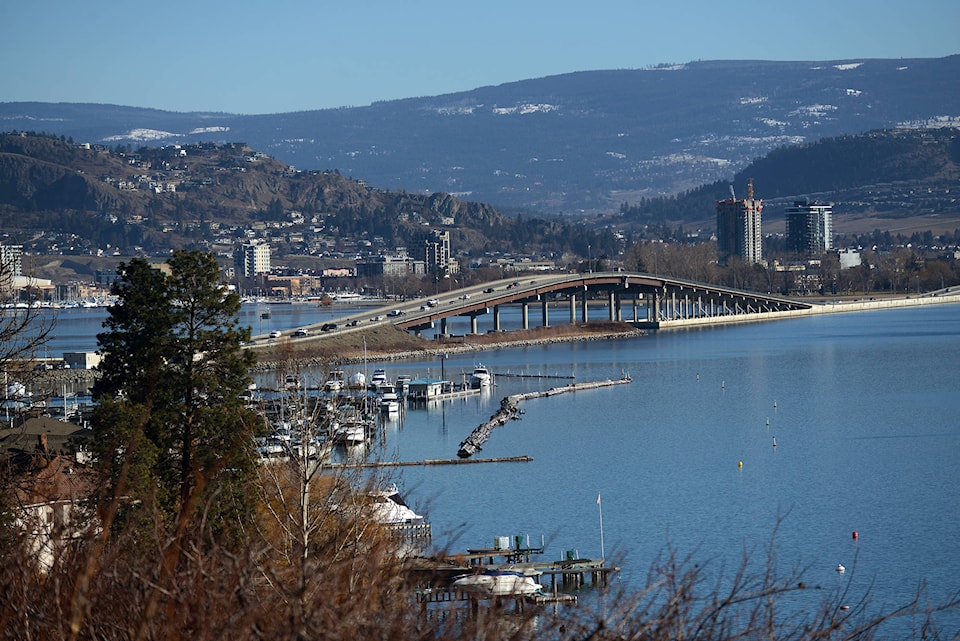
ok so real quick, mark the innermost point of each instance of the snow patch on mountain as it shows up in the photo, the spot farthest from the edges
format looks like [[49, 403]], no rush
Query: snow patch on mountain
[[525, 108], [142, 135]]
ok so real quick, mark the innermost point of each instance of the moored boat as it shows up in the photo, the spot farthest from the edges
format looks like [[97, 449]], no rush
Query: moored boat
[[481, 376], [499, 582]]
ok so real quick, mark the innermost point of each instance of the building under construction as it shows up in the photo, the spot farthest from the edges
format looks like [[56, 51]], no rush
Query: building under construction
[[739, 227]]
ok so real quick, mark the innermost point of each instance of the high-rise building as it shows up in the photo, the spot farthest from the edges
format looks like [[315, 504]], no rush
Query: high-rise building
[[11, 260], [809, 228], [433, 248], [739, 227], [251, 259]]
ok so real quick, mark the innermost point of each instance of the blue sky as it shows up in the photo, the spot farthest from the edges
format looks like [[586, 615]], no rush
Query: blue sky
[[276, 56]]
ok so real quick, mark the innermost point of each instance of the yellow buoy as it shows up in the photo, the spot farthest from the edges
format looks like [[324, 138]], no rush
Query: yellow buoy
[[739, 463]]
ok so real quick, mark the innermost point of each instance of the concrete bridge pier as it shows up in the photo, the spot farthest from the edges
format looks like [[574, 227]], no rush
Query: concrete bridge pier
[[525, 314], [496, 318], [545, 312], [573, 308], [473, 323], [584, 315], [612, 305]]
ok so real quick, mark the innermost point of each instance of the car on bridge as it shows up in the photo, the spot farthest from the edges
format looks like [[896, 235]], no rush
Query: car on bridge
[[328, 327]]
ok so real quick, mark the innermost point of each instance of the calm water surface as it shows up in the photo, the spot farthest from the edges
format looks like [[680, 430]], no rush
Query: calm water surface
[[865, 409]]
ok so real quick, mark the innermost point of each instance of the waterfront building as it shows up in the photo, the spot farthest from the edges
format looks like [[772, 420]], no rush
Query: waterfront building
[[809, 228], [739, 227], [251, 259]]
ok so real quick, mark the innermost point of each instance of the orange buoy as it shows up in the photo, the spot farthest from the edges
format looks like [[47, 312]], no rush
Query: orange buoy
[[855, 535]]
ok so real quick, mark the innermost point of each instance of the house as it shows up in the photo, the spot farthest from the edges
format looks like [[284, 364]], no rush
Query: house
[[51, 499]]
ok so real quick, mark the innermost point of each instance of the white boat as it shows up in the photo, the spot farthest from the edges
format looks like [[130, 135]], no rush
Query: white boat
[[378, 379], [499, 583], [334, 381], [358, 380], [481, 377], [353, 425], [389, 400], [388, 508]]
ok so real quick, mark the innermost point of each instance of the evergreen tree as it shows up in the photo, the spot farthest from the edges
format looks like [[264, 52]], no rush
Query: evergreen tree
[[170, 428]]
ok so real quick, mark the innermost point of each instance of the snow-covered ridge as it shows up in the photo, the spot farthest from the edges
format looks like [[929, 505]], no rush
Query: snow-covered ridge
[[152, 135], [525, 108]]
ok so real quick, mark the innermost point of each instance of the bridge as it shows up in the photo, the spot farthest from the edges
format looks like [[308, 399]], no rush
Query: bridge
[[645, 300]]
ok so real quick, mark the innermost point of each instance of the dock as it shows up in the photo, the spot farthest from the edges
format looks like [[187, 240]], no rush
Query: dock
[[566, 574], [510, 410], [547, 376], [433, 461]]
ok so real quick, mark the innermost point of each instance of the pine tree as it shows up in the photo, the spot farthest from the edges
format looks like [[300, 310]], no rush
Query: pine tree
[[171, 429]]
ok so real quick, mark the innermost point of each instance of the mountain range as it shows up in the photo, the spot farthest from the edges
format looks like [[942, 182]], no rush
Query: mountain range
[[577, 143]]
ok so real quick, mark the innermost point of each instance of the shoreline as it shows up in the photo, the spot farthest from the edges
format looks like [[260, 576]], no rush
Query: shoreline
[[433, 351]]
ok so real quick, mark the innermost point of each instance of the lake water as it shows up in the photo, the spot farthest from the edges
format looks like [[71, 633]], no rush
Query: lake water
[[865, 409]]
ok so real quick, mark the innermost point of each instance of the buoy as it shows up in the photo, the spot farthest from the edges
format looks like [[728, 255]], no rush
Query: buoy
[[768, 421], [739, 463], [775, 444], [844, 607], [855, 535], [840, 568], [774, 403], [722, 385]]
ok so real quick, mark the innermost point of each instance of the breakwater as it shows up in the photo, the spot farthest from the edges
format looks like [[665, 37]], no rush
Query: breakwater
[[510, 411]]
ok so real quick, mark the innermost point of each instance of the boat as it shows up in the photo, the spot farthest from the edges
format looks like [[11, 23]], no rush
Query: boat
[[388, 508], [378, 379], [499, 582], [481, 376], [358, 380], [353, 426], [389, 400], [334, 381]]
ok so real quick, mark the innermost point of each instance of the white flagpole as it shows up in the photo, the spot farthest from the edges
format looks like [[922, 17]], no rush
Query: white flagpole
[[600, 506]]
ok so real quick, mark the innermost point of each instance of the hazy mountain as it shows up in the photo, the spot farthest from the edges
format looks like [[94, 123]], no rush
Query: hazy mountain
[[588, 140]]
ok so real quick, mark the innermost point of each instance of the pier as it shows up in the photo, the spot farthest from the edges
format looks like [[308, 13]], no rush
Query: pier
[[432, 461], [510, 410], [548, 376], [570, 573]]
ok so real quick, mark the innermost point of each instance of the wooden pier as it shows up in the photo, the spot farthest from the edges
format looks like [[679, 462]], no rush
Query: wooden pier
[[566, 574]]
